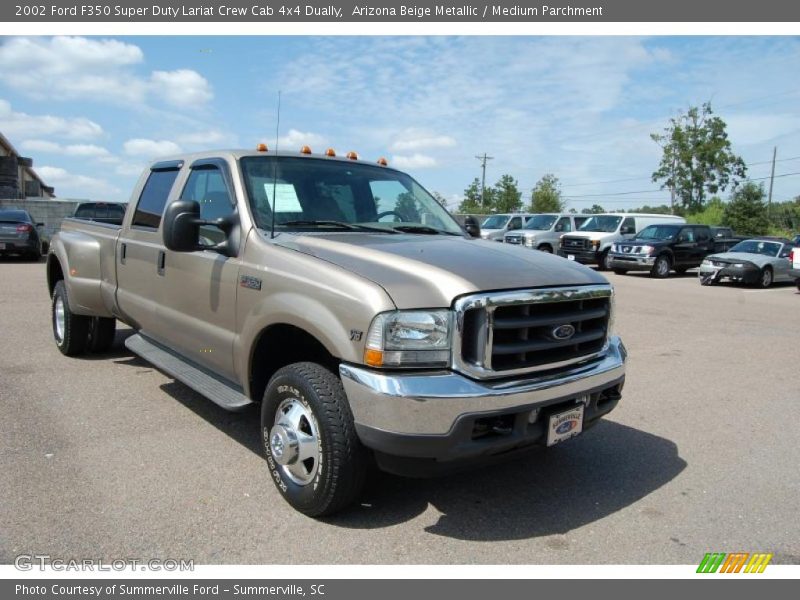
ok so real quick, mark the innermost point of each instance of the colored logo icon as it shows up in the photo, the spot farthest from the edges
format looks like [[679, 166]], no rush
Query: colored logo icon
[[737, 562]]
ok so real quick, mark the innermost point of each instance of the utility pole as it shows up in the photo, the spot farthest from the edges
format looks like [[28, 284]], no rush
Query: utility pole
[[672, 189], [483, 160], [772, 179]]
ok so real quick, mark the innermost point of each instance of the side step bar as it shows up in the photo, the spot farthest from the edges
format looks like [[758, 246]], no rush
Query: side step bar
[[221, 392]]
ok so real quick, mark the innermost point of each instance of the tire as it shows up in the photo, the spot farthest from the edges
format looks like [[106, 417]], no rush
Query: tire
[[305, 413], [765, 278], [101, 334], [71, 331], [604, 264], [546, 248], [621, 271], [661, 267]]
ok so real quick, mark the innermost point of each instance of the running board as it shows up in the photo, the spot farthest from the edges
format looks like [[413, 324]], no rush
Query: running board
[[201, 381]]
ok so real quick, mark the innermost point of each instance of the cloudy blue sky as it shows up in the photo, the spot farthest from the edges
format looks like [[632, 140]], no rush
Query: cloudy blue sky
[[92, 110]]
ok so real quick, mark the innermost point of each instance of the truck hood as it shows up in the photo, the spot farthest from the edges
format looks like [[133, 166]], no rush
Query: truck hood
[[432, 270]]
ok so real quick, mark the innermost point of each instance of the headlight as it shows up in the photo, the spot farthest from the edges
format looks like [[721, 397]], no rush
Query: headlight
[[409, 338], [614, 248], [596, 244], [646, 249], [529, 241], [611, 316], [738, 265], [706, 262]]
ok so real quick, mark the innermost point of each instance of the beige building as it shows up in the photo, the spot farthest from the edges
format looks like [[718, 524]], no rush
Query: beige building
[[18, 180]]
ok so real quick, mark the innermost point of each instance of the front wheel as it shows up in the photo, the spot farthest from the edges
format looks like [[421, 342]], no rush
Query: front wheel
[[620, 271], [765, 278], [604, 264], [70, 331], [545, 248], [661, 267], [314, 455]]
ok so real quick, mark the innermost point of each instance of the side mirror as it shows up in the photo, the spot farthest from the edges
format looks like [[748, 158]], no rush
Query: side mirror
[[472, 227], [181, 226]]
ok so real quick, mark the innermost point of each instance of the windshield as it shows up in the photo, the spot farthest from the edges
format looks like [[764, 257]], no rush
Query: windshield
[[602, 223], [311, 194], [757, 247], [657, 232], [495, 222], [541, 222]]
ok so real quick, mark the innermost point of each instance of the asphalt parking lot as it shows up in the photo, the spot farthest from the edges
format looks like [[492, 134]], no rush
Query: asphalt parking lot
[[106, 457]]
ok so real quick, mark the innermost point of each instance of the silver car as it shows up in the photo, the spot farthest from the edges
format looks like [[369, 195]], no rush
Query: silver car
[[757, 261]]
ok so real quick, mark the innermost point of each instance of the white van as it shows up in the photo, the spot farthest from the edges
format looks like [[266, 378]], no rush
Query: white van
[[592, 241], [495, 226]]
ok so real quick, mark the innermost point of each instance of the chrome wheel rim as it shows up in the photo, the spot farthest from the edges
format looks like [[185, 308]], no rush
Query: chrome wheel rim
[[663, 267], [60, 318], [766, 278], [294, 441]]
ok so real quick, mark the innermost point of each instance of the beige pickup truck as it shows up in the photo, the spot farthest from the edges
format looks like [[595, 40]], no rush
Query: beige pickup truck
[[345, 300]]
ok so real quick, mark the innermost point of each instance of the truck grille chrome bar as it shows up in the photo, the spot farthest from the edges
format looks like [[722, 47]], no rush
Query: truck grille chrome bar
[[501, 334]]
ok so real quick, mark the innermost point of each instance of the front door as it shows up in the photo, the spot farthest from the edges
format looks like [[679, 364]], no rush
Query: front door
[[198, 307]]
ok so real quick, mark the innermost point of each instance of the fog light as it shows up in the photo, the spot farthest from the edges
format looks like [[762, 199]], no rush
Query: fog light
[[533, 416]]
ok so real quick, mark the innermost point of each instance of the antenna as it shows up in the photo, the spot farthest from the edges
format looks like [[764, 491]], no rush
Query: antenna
[[275, 168]]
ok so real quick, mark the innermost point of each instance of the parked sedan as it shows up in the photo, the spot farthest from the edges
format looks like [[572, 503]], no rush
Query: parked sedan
[[19, 234], [757, 261]]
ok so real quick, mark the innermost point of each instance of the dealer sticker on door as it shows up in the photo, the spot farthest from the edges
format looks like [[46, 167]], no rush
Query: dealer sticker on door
[[564, 425]]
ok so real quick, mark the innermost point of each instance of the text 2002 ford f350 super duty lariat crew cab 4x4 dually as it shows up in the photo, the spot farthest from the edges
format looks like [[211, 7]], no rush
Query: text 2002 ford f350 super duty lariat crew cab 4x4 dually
[[358, 314]]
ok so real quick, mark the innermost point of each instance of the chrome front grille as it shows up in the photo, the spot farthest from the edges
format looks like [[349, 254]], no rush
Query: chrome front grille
[[513, 239], [507, 333], [573, 243]]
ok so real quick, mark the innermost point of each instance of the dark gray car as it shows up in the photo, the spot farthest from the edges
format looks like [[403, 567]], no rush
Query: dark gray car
[[19, 234]]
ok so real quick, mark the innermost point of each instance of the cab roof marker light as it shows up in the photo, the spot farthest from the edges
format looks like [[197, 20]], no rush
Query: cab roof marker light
[[352, 155], [261, 148], [305, 150], [330, 152], [383, 162]]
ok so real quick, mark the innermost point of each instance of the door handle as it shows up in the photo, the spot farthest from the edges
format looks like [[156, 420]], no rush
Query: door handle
[[162, 262], [123, 251]]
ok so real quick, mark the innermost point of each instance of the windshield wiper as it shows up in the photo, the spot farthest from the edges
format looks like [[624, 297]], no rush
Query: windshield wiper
[[339, 224], [424, 229]]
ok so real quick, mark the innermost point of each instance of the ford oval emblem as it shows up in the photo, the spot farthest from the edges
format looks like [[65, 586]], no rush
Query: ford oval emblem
[[563, 332], [566, 426]]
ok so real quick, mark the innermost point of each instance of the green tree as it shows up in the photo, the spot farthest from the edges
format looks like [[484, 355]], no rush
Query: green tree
[[471, 204], [506, 196], [440, 199], [746, 212], [546, 196], [712, 214], [596, 209], [697, 159], [406, 207]]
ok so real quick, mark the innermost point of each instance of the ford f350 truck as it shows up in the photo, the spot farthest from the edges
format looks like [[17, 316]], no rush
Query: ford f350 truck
[[345, 300]]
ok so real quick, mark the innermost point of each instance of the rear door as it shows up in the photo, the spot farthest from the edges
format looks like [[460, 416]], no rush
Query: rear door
[[198, 307], [705, 244], [140, 252], [685, 246]]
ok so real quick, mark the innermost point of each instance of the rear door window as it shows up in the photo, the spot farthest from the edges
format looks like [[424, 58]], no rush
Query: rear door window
[[153, 198]]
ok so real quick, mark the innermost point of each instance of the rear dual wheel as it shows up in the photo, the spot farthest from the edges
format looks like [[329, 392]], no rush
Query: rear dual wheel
[[75, 334]]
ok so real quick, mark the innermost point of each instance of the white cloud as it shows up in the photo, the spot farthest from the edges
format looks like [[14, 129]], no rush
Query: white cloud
[[97, 70], [83, 150], [294, 140], [18, 124], [150, 148], [207, 139], [40, 146], [415, 161], [75, 186], [184, 87], [412, 140]]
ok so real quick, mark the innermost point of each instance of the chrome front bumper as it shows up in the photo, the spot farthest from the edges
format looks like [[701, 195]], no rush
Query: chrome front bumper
[[633, 263], [431, 403]]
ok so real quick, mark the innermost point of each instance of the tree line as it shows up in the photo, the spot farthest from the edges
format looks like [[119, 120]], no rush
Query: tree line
[[697, 165]]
